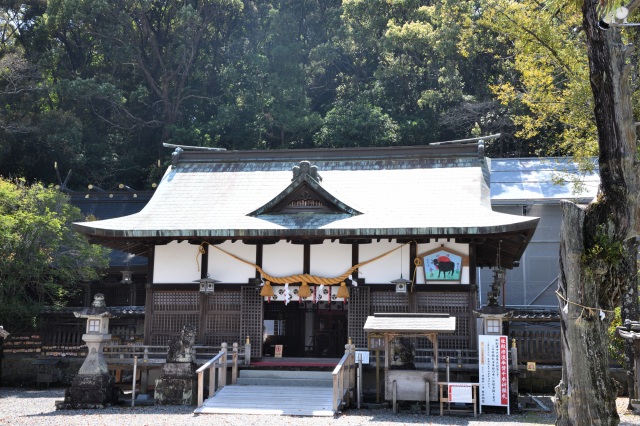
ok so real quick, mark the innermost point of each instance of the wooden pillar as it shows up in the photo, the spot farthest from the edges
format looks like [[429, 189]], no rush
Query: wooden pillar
[[306, 267], [259, 256], [203, 298], [413, 253], [473, 295], [132, 293], [148, 302], [355, 258]]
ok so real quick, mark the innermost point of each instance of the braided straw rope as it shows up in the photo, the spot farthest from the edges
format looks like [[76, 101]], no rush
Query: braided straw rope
[[301, 278]]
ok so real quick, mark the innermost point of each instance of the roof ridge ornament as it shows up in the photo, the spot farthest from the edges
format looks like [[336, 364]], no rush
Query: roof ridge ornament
[[305, 167], [175, 156]]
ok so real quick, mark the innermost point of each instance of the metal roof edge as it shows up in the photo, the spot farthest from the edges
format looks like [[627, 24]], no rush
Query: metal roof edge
[[319, 154]]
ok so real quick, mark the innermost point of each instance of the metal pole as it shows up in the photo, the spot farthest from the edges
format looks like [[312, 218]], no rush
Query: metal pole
[[133, 386], [377, 376], [448, 396], [359, 379]]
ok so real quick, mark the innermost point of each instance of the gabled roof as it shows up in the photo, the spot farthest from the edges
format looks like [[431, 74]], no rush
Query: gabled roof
[[304, 194], [407, 193]]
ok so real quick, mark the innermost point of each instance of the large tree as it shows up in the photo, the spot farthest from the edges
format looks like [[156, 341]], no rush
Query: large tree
[[598, 251], [42, 260]]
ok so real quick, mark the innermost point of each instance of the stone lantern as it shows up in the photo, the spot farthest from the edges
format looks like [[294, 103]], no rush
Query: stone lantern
[[93, 387]]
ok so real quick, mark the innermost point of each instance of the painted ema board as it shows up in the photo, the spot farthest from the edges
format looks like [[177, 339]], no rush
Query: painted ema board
[[494, 371]]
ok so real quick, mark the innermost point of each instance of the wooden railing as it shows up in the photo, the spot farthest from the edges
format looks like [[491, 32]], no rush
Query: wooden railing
[[124, 354], [344, 378], [218, 365], [466, 359]]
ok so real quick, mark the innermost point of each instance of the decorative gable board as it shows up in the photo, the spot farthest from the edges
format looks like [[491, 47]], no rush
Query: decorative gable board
[[304, 195]]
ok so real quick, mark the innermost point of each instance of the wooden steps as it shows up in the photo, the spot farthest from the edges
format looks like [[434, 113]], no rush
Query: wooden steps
[[285, 378], [276, 400], [278, 392]]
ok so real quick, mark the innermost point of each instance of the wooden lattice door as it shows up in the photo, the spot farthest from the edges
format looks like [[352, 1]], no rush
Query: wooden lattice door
[[251, 319], [359, 310], [222, 319]]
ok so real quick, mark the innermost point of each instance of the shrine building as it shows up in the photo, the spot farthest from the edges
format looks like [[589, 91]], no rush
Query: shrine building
[[298, 247]]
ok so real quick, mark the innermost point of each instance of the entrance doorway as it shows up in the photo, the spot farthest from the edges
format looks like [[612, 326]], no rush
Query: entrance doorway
[[305, 329]]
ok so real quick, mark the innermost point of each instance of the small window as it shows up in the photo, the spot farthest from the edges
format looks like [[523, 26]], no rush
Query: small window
[[493, 326], [94, 326]]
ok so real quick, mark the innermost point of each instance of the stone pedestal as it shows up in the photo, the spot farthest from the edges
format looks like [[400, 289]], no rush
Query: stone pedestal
[[177, 385], [178, 382], [90, 391]]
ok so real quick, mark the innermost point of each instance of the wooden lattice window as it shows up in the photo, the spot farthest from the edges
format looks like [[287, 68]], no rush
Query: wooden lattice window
[[383, 302], [457, 305], [175, 301], [172, 310]]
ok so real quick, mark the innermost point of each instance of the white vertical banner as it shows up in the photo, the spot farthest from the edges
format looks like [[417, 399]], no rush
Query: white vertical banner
[[494, 371]]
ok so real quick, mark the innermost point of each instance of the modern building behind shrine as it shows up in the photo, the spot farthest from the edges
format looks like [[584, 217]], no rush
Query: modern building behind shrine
[[298, 247]]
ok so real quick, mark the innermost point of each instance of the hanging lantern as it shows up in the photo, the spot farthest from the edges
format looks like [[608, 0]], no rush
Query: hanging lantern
[[401, 284], [126, 277], [207, 285]]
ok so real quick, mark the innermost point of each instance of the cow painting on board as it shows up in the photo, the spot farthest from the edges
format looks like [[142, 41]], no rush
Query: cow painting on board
[[442, 265]]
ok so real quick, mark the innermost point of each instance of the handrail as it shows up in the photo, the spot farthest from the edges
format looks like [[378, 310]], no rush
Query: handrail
[[219, 364], [345, 371]]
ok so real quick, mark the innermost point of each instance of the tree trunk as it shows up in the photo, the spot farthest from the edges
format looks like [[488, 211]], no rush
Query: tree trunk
[[598, 249], [585, 396]]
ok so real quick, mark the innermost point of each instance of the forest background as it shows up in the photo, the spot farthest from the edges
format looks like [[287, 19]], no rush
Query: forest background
[[99, 85]]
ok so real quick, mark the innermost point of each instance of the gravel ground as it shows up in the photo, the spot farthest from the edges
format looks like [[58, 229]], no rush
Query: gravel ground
[[37, 407]]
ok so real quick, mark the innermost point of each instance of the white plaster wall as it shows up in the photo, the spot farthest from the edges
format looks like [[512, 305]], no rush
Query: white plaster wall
[[330, 259], [227, 269], [387, 268], [283, 259], [175, 263]]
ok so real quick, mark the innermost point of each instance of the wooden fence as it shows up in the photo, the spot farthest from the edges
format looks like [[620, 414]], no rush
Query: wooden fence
[[538, 346]]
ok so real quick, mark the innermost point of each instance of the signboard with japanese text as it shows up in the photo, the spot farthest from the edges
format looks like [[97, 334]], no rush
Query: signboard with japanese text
[[278, 351], [460, 392], [493, 370]]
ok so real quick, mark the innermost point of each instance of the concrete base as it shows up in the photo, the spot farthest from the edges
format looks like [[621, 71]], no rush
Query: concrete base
[[177, 385], [88, 392]]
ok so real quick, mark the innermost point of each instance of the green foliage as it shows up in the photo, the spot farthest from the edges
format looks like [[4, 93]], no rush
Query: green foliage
[[98, 85], [41, 259], [605, 251], [616, 345]]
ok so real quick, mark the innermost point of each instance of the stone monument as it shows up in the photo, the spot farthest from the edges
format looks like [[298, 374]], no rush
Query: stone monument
[[178, 382], [93, 386]]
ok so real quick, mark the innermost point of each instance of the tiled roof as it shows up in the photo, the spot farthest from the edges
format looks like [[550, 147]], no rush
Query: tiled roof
[[117, 311], [412, 192], [418, 193], [110, 204], [534, 314], [541, 180]]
